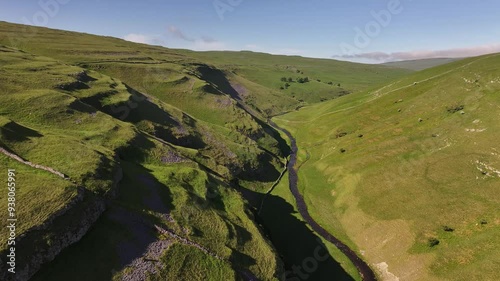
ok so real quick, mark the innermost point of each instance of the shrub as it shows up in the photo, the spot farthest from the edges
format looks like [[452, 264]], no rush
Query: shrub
[[433, 242], [448, 229], [455, 108], [303, 80], [340, 134]]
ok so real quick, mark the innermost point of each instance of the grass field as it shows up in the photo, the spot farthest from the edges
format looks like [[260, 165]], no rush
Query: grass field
[[328, 78], [421, 64], [295, 240], [391, 161], [408, 173], [85, 124]]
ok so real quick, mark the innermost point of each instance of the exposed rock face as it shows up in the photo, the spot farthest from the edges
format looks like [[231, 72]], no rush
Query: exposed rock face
[[36, 251], [149, 263], [44, 242]]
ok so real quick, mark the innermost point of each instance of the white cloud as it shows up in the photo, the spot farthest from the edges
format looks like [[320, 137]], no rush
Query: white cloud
[[177, 33], [203, 41], [138, 38], [426, 54], [202, 45]]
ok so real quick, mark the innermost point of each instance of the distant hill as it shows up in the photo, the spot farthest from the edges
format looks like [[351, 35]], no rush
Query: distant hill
[[420, 64]]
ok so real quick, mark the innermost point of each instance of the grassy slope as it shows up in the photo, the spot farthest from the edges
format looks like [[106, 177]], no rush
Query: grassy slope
[[46, 119], [128, 92], [255, 76], [288, 230], [421, 64], [250, 68], [171, 80], [297, 242], [418, 170], [52, 128]]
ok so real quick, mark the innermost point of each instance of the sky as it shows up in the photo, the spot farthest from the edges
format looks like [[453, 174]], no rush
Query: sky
[[370, 31]]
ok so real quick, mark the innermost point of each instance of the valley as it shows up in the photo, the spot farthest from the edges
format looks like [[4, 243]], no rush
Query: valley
[[140, 162], [399, 165]]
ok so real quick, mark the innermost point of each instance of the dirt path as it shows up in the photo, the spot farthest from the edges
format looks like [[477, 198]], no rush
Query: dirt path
[[364, 270]]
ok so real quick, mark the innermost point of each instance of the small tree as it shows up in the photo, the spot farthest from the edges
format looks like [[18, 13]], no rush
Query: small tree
[[287, 85], [306, 79], [283, 79], [290, 79]]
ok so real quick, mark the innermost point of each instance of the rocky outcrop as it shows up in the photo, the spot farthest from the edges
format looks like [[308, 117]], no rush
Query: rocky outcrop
[[41, 244], [185, 241], [44, 243]]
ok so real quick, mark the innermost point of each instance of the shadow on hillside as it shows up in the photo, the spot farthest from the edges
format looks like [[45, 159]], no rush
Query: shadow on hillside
[[241, 260], [139, 109], [81, 106], [13, 131], [143, 109], [282, 144], [297, 244], [265, 172], [122, 235], [218, 78]]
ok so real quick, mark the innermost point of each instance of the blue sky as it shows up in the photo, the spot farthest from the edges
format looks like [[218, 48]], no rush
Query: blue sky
[[347, 29]]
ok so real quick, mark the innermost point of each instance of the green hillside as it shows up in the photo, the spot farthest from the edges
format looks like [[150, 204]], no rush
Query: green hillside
[[328, 78], [61, 116], [135, 158], [408, 174], [420, 64]]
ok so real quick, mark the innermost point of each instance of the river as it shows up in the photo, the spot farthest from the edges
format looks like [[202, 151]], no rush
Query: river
[[364, 270]]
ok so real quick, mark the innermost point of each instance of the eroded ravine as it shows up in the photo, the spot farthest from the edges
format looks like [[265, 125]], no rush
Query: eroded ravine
[[364, 270]]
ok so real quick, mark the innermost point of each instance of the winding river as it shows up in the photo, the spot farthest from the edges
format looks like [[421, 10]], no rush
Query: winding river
[[364, 270]]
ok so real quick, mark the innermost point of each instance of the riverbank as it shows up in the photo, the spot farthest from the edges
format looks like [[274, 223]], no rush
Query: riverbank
[[364, 270]]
